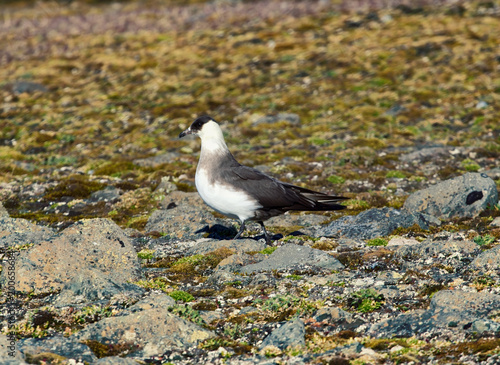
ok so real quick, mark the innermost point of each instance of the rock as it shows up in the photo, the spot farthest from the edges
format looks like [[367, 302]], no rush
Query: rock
[[187, 218], [287, 117], [294, 256], [156, 161], [153, 330], [488, 262], [94, 286], [108, 194], [495, 222], [464, 196], [337, 317], [289, 335], [452, 310], [9, 351], [3, 211], [234, 263], [237, 246], [115, 360], [59, 345], [89, 252], [428, 249], [302, 220], [425, 154], [19, 232], [374, 223], [20, 87], [402, 241]]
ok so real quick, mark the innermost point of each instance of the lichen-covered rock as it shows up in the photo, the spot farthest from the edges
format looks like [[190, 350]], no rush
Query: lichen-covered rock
[[21, 232], [95, 249], [58, 345], [374, 223], [464, 196], [184, 217], [238, 246], [152, 329], [294, 256], [488, 262], [291, 334], [449, 310]]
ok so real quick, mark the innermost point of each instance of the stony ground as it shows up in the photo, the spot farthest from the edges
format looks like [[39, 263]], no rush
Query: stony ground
[[114, 257]]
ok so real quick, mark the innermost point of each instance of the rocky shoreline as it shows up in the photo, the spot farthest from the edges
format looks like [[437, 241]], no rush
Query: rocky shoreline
[[384, 286]]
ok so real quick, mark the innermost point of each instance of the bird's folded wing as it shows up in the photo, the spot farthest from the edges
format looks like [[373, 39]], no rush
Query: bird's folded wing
[[271, 193]]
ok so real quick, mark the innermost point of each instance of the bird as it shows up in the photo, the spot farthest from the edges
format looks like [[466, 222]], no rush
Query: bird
[[242, 192]]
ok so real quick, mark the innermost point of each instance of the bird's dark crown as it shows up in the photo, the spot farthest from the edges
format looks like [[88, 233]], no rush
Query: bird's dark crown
[[199, 122]]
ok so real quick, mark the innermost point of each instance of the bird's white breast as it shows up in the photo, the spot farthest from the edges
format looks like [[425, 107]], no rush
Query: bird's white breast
[[224, 198]]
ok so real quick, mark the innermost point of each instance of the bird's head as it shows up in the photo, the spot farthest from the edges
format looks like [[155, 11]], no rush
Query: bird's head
[[204, 127]]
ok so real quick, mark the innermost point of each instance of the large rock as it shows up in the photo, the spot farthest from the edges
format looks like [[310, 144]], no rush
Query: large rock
[[291, 334], [291, 256], [238, 246], [151, 327], [452, 310], [19, 232], [9, 352], [464, 196], [488, 262], [374, 223], [89, 250], [184, 217], [3, 211], [58, 345]]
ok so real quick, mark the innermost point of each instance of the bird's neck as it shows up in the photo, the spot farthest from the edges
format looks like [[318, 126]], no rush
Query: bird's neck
[[214, 152]]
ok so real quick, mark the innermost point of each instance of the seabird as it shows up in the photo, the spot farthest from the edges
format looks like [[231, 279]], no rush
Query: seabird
[[244, 193]]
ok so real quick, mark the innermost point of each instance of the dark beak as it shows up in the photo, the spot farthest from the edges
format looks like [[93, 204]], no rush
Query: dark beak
[[185, 133]]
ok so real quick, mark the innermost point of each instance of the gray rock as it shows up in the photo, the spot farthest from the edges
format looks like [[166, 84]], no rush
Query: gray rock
[[15, 232], [57, 345], [288, 117], [373, 223], [453, 309], [464, 196], [156, 161], [3, 211], [153, 330], [425, 154], [294, 256], [20, 87], [428, 249], [236, 262], [291, 334], [91, 248], [302, 220], [9, 352], [238, 246], [337, 317], [154, 300], [94, 286], [187, 218], [108, 194], [115, 360], [488, 262]]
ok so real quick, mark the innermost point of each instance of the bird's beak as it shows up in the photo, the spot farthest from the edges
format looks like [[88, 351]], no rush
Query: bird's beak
[[186, 132]]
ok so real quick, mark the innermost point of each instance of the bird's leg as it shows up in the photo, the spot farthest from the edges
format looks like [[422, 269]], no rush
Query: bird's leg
[[242, 228], [266, 235]]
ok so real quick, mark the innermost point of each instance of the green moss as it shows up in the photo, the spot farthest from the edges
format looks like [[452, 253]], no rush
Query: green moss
[[335, 179], [181, 296], [74, 186], [395, 174], [377, 242]]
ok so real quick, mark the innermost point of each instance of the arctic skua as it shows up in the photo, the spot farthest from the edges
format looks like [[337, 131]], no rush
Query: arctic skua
[[244, 193]]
